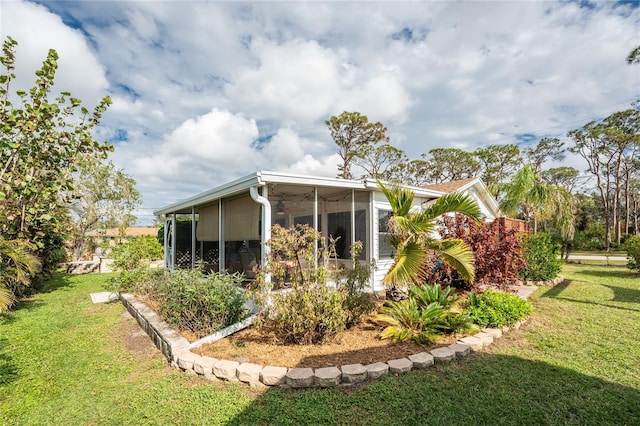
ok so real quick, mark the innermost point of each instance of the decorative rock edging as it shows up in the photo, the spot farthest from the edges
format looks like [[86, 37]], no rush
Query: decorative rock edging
[[176, 349]]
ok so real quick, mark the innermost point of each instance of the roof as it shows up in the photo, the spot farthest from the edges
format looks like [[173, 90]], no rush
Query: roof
[[135, 231], [453, 185], [262, 178]]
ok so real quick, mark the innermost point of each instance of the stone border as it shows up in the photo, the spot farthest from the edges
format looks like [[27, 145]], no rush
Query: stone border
[[175, 348]]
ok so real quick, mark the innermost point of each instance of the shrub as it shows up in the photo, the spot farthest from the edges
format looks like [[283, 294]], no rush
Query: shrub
[[130, 254], [309, 311], [497, 251], [187, 299], [632, 246], [542, 258], [201, 303], [143, 280], [497, 308], [305, 316]]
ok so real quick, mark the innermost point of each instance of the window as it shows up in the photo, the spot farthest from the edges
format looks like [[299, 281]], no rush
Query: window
[[385, 249]]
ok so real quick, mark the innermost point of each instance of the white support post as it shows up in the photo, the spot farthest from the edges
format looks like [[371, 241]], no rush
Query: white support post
[[221, 245], [193, 237], [315, 225], [353, 222], [173, 242]]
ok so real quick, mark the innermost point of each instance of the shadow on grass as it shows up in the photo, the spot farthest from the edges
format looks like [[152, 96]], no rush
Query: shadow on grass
[[482, 389], [8, 370], [620, 294]]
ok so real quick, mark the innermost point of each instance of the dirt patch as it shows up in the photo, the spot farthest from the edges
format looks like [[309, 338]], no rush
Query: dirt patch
[[135, 339], [359, 345]]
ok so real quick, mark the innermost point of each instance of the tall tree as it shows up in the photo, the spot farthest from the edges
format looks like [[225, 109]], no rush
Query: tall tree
[[545, 149], [43, 142], [564, 176], [352, 131], [498, 163], [380, 162], [412, 235], [607, 146], [102, 195], [447, 164]]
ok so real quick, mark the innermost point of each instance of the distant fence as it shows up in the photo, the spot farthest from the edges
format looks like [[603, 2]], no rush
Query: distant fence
[[517, 224]]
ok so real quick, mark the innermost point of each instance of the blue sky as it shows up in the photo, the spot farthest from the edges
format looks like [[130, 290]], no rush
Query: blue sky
[[205, 92]]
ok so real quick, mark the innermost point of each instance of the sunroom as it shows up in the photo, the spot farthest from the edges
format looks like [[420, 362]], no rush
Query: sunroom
[[224, 229]]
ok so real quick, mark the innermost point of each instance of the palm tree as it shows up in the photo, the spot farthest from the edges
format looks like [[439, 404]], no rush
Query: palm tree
[[17, 265], [412, 235], [527, 194]]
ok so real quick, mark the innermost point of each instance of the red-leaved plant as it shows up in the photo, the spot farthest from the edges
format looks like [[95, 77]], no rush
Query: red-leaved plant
[[498, 254]]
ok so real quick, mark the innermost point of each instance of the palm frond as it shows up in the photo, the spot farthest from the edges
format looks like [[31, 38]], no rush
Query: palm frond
[[407, 266], [454, 202], [457, 254], [6, 299]]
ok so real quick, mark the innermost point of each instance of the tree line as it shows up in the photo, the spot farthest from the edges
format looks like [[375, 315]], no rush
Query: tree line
[[596, 208]]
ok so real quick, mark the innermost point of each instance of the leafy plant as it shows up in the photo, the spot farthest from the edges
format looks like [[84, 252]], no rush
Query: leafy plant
[[17, 265], [427, 313], [497, 308], [406, 320], [130, 254], [353, 282], [542, 258], [411, 235], [201, 303], [497, 252], [632, 246], [45, 139]]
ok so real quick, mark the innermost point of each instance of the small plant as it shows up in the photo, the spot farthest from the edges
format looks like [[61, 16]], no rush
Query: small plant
[[632, 246], [542, 258], [428, 294], [497, 308], [407, 320], [353, 282], [429, 312]]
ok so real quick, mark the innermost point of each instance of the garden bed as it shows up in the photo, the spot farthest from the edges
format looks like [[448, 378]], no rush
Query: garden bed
[[359, 345]]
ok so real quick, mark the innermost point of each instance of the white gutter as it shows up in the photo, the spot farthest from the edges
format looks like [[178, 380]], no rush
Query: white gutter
[[266, 223]]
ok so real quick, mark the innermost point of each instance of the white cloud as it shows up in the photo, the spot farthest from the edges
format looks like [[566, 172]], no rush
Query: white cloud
[[36, 31], [208, 91]]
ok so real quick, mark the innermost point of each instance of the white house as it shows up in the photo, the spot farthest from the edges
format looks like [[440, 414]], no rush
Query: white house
[[238, 217]]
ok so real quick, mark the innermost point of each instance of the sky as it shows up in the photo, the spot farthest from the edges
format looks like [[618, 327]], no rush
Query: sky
[[206, 92]]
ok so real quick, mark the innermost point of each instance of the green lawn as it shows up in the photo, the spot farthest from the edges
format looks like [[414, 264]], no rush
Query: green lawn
[[65, 361]]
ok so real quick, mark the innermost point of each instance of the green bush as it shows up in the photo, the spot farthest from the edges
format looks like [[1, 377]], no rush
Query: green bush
[[497, 308], [305, 316], [632, 246], [201, 303], [309, 312], [131, 254], [187, 299], [542, 257]]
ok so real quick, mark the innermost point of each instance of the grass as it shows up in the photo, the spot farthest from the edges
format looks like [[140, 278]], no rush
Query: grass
[[63, 361]]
